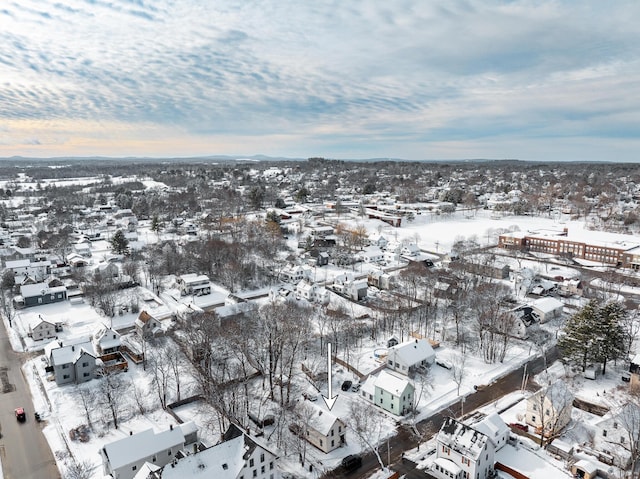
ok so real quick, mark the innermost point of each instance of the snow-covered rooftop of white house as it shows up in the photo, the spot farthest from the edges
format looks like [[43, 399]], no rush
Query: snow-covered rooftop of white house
[[321, 420], [193, 278], [140, 445], [29, 290], [413, 351], [492, 426], [547, 304], [391, 383], [462, 438]]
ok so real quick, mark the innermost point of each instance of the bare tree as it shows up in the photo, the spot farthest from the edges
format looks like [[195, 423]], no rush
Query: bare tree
[[458, 371], [87, 398], [112, 391], [366, 424], [76, 469]]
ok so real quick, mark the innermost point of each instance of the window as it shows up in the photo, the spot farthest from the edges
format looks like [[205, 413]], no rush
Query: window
[[535, 407], [621, 439], [332, 432], [255, 473], [251, 462], [169, 452], [65, 366], [332, 443], [533, 419], [85, 375], [380, 400], [154, 458], [262, 470], [615, 425], [604, 433], [134, 468], [271, 466], [339, 428], [66, 376], [85, 364], [225, 466], [321, 442], [262, 457]]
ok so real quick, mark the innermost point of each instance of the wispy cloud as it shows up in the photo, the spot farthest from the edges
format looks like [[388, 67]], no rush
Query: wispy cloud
[[398, 78]]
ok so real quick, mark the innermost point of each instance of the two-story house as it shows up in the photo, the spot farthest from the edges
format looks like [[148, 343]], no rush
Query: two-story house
[[393, 393], [123, 458], [147, 326], [196, 284], [549, 409], [40, 328], [237, 456], [73, 363], [462, 452], [324, 429]]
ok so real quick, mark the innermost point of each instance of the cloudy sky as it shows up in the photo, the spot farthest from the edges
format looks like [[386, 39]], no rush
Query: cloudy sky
[[412, 79]]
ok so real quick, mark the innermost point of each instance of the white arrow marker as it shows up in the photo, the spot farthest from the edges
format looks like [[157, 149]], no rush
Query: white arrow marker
[[329, 401]]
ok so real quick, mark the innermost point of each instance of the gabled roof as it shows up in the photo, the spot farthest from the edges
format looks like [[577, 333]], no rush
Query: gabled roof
[[391, 383], [462, 438], [492, 426], [70, 354], [412, 352], [322, 420], [136, 447]]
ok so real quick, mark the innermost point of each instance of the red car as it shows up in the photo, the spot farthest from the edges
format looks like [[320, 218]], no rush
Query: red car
[[20, 415]]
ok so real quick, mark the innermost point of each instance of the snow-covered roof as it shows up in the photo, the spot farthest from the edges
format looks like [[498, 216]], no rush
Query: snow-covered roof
[[413, 352], [322, 420], [547, 304], [462, 438], [391, 383], [39, 289], [131, 449], [70, 353], [492, 426], [587, 466], [448, 465], [193, 278]]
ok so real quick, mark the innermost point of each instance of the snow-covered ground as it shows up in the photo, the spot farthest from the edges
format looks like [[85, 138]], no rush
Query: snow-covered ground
[[63, 411]]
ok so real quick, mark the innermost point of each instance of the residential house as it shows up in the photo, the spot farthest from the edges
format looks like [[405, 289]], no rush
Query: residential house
[[121, 459], [411, 250], [379, 241], [324, 430], [193, 284], [393, 393], [446, 287], [549, 409], [147, 326], [346, 285], [312, 292], [525, 321], [548, 308], [294, 274], [238, 456], [406, 357], [40, 293], [463, 452], [188, 312], [373, 256], [379, 279], [616, 433], [40, 328], [106, 270], [38, 270], [74, 363], [492, 426], [106, 340], [76, 261]]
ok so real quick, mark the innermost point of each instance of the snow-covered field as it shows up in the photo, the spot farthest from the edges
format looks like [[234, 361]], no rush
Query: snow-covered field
[[63, 411]]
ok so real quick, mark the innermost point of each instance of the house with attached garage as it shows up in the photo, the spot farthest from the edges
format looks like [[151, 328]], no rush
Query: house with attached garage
[[547, 308], [462, 452], [406, 357], [123, 458], [237, 456]]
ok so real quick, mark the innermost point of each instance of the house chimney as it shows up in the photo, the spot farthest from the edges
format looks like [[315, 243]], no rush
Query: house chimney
[[73, 348], [130, 433], [171, 427]]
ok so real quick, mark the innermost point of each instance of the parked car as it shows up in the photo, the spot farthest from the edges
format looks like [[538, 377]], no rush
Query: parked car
[[443, 363], [356, 387], [20, 414], [517, 425], [351, 463], [346, 385]]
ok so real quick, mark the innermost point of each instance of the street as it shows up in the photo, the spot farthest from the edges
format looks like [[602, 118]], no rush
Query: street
[[405, 439], [24, 451]]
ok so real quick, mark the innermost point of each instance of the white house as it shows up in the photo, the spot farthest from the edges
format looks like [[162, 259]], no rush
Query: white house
[[525, 321], [40, 328], [237, 456], [407, 356], [196, 284], [617, 432], [312, 292], [106, 340], [324, 429], [462, 452], [121, 459], [353, 288], [547, 308], [147, 326], [394, 393], [411, 250], [494, 428], [549, 409]]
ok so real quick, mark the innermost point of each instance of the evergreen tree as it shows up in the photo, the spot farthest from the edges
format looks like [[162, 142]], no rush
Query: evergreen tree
[[156, 224], [119, 243], [596, 333]]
